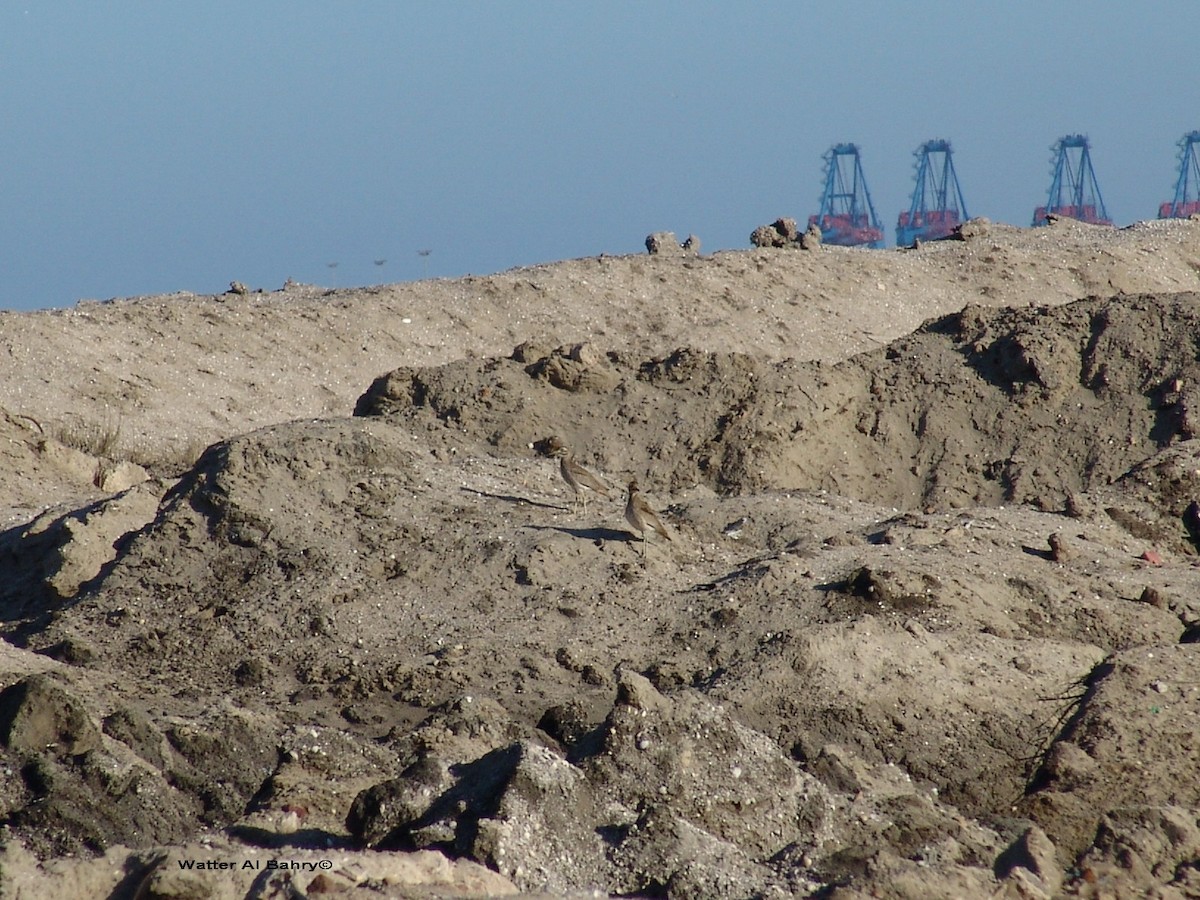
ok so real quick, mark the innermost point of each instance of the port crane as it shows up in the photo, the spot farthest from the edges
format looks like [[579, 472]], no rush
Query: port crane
[[847, 217], [1187, 187], [1074, 192], [937, 201]]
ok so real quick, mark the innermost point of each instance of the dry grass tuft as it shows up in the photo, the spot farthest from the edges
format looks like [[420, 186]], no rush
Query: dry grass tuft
[[95, 437]]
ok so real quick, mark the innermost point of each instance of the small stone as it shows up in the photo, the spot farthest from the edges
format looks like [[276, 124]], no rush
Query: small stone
[[1077, 506], [250, 672], [1154, 597], [323, 884], [1058, 548]]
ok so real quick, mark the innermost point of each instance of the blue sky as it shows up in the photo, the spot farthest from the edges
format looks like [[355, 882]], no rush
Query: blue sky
[[150, 147]]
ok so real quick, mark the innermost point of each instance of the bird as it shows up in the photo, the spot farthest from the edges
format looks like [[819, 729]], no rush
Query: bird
[[575, 474], [639, 514]]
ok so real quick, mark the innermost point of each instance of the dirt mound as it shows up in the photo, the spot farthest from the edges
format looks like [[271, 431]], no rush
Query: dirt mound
[[924, 611], [1023, 406], [980, 408], [157, 379], [301, 571], [672, 420]]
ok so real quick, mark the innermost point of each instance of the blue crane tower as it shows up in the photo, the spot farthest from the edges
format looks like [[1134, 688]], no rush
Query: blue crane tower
[[1074, 192], [847, 217], [1187, 187], [937, 200]]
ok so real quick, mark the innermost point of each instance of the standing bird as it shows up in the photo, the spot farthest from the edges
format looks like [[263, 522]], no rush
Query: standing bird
[[576, 475], [639, 514]]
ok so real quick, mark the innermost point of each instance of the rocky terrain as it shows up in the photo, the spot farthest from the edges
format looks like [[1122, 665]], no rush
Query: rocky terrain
[[294, 600]]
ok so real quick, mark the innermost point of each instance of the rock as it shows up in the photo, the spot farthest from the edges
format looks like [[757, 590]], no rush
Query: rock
[[580, 368], [663, 243], [891, 589], [38, 715], [523, 810], [662, 848], [976, 228], [79, 792], [236, 287], [114, 477], [725, 799], [780, 233], [1154, 597], [692, 245], [133, 728], [385, 814], [721, 777], [173, 882], [544, 834], [887, 874], [62, 552], [250, 672], [587, 354], [1034, 852], [787, 228], [1079, 505], [568, 723], [635, 691], [765, 236], [811, 239], [1191, 522], [1059, 552], [530, 352]]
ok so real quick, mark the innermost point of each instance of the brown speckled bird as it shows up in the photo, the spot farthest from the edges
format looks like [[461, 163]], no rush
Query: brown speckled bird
[[639, 514], [576, 475]]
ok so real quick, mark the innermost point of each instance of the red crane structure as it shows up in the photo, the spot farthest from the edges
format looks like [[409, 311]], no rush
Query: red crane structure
[[937, 201], [847, 217], [1074, 192], [1187, 186]]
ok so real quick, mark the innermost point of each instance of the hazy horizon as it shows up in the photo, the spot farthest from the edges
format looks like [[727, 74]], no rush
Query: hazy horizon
[[158, 148]]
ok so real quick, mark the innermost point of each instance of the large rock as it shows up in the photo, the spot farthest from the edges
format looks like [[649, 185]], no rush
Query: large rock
[[663, 243], [780, 233], [712, 772], [522, 810], [79, 790], [55, 554], [39, 715]]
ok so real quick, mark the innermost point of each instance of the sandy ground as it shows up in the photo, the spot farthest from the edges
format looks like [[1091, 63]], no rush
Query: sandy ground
[[924, 625]]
